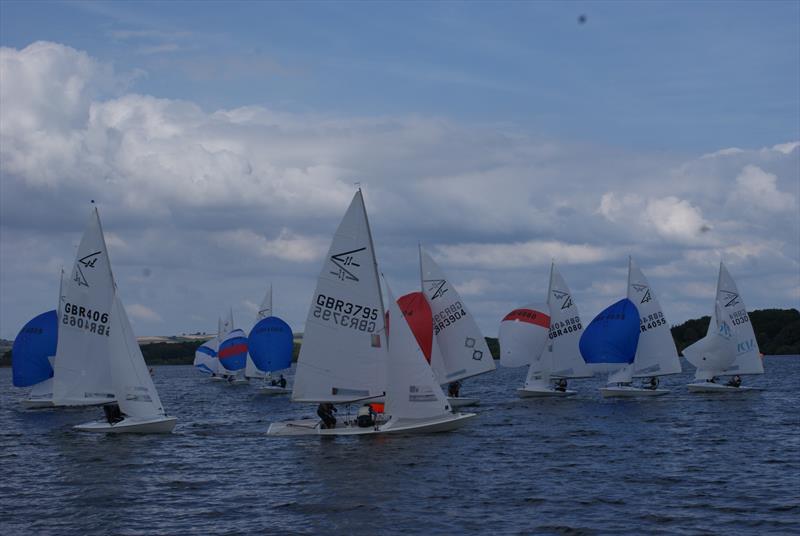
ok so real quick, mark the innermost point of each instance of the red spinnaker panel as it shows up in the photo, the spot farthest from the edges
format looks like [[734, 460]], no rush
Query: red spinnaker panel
[[530, 316], [419, 317]]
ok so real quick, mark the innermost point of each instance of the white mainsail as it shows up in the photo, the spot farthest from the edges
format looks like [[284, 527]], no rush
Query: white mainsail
[[748, 356], [136, 395], [656, 354], [462, 345], [344, 356], [82, 374], [412, 391], [565, 330]]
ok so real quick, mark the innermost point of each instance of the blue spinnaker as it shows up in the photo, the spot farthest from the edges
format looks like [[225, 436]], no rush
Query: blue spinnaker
[[233, 350], [34, 344], [613, 335], [271, 344]]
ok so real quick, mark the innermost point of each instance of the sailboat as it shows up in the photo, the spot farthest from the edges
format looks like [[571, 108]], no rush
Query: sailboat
[[97, 330], [656, 354], [205, 357], [271, 346], [729, 347], [462, 346], [345, 357], [232, 355], [609, 342], [545, 336]]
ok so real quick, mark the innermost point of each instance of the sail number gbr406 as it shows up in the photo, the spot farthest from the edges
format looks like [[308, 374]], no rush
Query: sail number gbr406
[[345, 314], [84, 318]]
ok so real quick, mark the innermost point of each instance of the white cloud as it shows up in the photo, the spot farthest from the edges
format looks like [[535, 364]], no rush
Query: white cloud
[[757, 189], [142, 312], [203, 208]]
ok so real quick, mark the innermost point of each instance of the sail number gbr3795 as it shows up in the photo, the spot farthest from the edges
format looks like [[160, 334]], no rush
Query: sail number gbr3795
[[79, 317], [345, 314]]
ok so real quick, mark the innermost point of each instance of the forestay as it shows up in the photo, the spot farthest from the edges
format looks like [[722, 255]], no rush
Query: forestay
[[461, 342], [343, 356], [82, 372], [656, 354]]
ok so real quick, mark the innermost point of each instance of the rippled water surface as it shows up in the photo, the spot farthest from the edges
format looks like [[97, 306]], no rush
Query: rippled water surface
[[681, 464]]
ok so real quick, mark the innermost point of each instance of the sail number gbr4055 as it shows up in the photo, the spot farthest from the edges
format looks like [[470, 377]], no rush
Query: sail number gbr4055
[[345, 314]]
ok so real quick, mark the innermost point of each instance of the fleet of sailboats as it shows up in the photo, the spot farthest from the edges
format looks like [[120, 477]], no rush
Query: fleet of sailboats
[[392, 363]]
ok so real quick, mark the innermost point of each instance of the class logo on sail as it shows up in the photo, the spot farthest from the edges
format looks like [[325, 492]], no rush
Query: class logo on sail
[[88, 262], [437, 287], [643, 288], [345, 262], [563, 296], [730, 298]]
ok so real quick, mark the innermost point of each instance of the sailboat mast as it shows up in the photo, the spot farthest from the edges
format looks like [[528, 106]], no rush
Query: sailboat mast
[[421, 277]]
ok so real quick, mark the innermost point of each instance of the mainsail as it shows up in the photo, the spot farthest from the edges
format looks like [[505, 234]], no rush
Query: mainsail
[[656, 354], [82, 374], [463, 347], [343, 357]]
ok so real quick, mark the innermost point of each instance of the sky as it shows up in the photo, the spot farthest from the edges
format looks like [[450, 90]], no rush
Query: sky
[[222, 143]]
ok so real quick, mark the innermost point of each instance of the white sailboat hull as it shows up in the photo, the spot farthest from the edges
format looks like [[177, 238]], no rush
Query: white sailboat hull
[[460, 401], [711, 387], [544, 392], [129, 425], [311, 427], [239, 381], [218, 379], [629, 391], [274, 390]]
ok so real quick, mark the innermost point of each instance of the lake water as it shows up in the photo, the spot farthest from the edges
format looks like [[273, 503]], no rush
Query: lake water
[[680, 464]]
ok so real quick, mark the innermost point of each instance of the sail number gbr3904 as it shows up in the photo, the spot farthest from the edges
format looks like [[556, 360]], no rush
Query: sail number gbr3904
[[79, 317], [345, 314]]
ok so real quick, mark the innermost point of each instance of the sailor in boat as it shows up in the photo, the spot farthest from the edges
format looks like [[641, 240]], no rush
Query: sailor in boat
[[561, 385], [279, 382], [736, 381], [113, 413], [651, 383], [325, 411], [366, 416], [453, 389]]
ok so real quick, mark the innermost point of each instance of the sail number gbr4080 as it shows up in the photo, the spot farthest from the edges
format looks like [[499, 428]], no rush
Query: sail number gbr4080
[[345, 314]]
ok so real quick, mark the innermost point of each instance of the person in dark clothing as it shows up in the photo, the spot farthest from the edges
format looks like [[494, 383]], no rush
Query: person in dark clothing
[[325, 412], [652, 383], [282, 382], [561, 385], [736, 381], [366, 416], [453, 389]]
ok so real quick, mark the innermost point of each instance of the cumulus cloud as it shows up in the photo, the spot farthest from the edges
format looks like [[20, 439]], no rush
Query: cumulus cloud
[[214, 205]]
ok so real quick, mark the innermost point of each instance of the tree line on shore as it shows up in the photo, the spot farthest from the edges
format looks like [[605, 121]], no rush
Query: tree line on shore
[[777, 332]]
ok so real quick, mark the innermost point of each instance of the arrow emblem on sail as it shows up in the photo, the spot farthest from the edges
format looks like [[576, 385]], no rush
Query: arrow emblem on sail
[[89, 260], [731, 297], [341, 260], [79, 277], [560, 296], [643, 288], [437, 286]]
